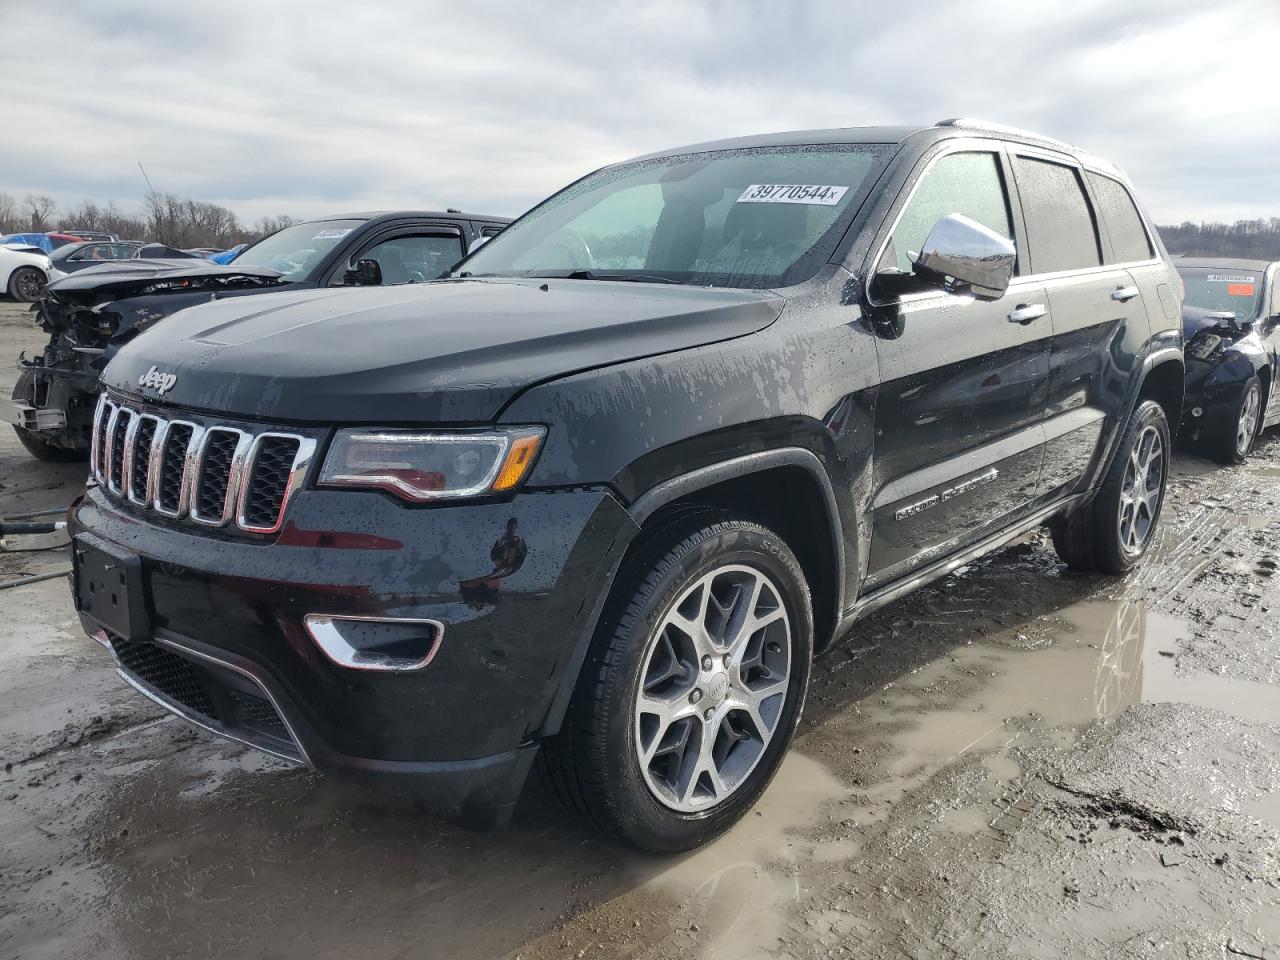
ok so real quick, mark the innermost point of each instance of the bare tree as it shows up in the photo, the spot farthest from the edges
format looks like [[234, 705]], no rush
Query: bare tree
[[268, 225], [171, 219], [10, 219], [40, 210]]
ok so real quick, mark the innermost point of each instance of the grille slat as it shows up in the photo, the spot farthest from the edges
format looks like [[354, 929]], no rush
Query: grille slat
[[268, 483], [116, 450], [141, 471], [213, 475], [173, 468], [214, 482]]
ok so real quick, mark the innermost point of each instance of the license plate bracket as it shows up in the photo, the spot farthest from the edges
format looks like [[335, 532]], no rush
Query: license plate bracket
[[109, 587]]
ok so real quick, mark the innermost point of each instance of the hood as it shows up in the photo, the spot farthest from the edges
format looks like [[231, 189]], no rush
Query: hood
[[123, 278], [25, 248], [1197, 319], [451, 351]]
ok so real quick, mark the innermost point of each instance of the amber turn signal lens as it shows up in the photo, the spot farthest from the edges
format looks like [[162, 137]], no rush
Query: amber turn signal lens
[[519, 460]]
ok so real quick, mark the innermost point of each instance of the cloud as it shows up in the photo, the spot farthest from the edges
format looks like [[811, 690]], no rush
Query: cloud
[[315, 107]]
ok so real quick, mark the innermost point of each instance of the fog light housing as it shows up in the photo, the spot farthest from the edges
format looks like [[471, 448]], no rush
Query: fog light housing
[[387, 644]]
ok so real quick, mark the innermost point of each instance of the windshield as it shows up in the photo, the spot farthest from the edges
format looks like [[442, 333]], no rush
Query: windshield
[[296, 251], [762, 217], [1222, 288]]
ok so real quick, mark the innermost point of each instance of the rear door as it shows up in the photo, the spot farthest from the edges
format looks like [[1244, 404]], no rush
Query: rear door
[[1099, 318], [958, 438]]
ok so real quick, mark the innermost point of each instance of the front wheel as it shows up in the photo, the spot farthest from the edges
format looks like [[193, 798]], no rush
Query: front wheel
[[693, 686], [1233, 444], [36, 445], [26, 284], [1113, 532]]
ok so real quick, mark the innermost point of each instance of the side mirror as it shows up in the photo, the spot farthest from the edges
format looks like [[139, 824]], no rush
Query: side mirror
[[476, 244], [367, 273], [962, 253]]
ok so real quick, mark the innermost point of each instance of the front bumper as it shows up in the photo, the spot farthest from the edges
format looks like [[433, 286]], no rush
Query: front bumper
[[228, 613]]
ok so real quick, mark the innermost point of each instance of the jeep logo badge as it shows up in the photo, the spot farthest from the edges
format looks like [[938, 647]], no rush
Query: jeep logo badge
[[162, 383]]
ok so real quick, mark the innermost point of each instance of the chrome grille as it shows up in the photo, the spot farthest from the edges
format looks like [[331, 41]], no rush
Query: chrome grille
[[214, 475]]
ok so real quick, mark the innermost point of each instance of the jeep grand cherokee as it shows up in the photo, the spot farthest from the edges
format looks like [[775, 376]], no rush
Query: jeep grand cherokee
[[602, 495]]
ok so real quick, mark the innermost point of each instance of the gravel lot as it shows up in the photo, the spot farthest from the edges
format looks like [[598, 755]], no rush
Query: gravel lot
[[1017, 762]]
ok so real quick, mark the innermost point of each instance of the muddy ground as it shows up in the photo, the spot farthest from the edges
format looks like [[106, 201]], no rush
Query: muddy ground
[[1017, 762]]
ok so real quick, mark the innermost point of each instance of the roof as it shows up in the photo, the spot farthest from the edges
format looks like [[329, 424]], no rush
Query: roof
[[944, 129], [793, 138], [423, 214], [1241, 263]]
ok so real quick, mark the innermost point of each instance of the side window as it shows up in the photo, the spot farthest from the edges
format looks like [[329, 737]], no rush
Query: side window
[[490, 231], [412, 259], [1061, 234], [964, 183], [1129, 241]]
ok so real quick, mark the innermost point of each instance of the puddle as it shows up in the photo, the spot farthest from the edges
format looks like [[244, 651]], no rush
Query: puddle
[[740, 883], [1089, 662]]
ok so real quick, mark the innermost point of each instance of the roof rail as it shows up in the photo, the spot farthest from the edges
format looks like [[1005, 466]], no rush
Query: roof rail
[[973, 123]]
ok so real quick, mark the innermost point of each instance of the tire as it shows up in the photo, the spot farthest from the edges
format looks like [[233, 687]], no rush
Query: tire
[[36, 445], [1233, 443], [1097, 537], [670, 802], [26, 284]]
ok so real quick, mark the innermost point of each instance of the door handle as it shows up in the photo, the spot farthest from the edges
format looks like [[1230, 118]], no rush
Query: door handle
[[1123, 294], [1024, 313]]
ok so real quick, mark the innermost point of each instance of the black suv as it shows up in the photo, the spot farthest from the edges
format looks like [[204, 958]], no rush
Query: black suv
[[603, 494]]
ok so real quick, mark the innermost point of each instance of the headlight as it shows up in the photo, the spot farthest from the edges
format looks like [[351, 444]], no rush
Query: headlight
[[1204, 345], [419, 466]]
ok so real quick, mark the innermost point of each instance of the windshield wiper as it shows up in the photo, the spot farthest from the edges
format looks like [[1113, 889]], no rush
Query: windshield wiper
[[595, 275]]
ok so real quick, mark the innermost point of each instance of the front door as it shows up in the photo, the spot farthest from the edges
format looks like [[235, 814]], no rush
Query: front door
[[958, 435]]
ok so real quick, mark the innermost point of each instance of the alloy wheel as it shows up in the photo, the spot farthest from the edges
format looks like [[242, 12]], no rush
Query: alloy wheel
[[1141, 490], [1247, 425], [712, 688], [29, 284]]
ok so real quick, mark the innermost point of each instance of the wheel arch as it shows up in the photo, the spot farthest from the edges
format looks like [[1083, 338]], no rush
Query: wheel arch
[[787, 490], [1164, 381]]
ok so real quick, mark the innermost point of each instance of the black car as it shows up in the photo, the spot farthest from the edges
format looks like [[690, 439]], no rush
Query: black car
[[92, 313], [602, 496], [1229, 321], [72, 257], [92, 234]]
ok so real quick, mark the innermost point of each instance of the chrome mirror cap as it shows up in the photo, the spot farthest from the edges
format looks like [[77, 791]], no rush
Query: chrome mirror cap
[[960, 252]]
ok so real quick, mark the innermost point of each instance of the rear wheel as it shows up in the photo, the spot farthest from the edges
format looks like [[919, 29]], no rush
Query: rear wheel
[[1232, 444], [26, 284], [693, 686], [1111, 533]]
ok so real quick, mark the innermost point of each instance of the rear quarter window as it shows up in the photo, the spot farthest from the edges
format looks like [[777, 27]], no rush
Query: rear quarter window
[[1061, 233], [1129, 240]]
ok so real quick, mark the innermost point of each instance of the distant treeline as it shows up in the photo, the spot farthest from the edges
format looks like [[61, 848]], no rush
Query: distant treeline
[[1249, 239], [177, 221], [183, 222]]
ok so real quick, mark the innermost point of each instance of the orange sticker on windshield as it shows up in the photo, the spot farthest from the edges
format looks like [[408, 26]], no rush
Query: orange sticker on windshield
[[1239, 289]]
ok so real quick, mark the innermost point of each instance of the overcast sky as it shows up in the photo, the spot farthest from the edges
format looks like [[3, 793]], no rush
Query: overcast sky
[[316, 107]]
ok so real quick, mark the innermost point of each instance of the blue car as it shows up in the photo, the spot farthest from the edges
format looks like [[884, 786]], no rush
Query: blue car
[[226, 256]]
